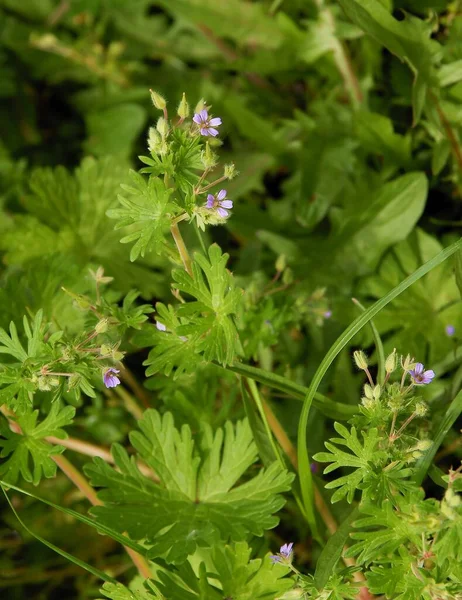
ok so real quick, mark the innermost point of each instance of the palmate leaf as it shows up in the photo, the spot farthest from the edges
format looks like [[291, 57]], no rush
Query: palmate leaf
[[196, 502], [148, 211], [217, 299], [362, 458], [28, 454], [233, 575]]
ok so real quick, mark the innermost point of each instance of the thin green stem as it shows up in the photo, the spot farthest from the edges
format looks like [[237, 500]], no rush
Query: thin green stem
[[181, 246]]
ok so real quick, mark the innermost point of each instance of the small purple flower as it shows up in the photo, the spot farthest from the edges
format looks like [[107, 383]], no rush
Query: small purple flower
[[314, 467], [421, 377], [160, 326], [110, 377], [284, 556], [450, 330], [206, 123], [327, 314], [219, 203]]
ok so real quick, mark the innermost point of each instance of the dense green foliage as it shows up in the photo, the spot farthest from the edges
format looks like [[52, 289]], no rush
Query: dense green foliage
[[182, 386]]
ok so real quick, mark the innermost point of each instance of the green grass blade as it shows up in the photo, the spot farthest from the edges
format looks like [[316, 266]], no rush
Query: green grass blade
[[63, 553], [330, 408], [453, 412], [378, 346], [306, 482], [118, 537], [332, 551]]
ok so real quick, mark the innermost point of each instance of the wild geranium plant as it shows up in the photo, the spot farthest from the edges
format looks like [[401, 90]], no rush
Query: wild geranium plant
[[191, 407]]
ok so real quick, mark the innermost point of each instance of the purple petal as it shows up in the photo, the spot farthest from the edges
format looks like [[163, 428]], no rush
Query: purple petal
[[213, 131], [210, 197], [327, 314], [205, 131], [210, 201], [428, 376], [204, 114], [215, 121], [227, 204], [160, 326], [274, 558], [222, 212], [450, 330], [418, 369], [197, 119], [221, 195]]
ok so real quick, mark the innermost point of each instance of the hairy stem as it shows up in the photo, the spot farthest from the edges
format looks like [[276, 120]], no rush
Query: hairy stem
[[183, 251]]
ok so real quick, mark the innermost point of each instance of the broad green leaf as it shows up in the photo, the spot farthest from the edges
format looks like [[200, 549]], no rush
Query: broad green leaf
[[390, 217], [197, 501], [113, 130], [409, 40]]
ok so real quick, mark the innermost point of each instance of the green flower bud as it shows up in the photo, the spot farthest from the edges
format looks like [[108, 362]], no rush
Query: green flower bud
[[105, 350], [391, 362], [208, 158], [368, 391], [117, 355], [154, 140], [158, 100], [44, 384], [162, 127], [377, 392], [281, 263], [183, 108], [230, 171], [53, 381], [453, 499], [360, 359], [200, 106], [420, 409], [287, 276], [102, 326]]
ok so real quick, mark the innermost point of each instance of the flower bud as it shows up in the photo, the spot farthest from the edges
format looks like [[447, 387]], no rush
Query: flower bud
[[105, 350], [158, 100], [183, 108], [162, 127], [281, 263], [368, 392], [154, 140], [407, 363], [73, 381], [53, 381], [102, 326], [420, 409], [208, 158], [376, 392], [453, 499], [391, 362], [200, 106], [360, 359], [287, 276], [230, 171], [117, 355], [44, 384]]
